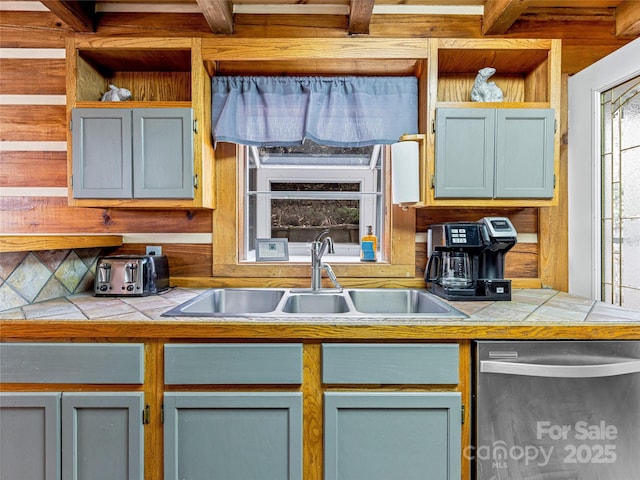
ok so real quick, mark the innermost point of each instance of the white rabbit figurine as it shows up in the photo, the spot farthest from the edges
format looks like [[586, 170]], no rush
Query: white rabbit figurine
[[116, 94], [484, 91]]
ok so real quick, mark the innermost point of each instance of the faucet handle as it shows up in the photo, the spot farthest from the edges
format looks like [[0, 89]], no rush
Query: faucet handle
[[332, 277]]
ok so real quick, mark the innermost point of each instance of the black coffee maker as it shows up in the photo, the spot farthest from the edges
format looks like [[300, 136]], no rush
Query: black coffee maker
[[467, 259]]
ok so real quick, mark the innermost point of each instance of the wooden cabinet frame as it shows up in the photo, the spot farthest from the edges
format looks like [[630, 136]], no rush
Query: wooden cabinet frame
[[165, 72], [529, 73]]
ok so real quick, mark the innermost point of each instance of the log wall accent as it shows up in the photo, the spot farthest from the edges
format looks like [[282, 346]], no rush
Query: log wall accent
[[33, 175]]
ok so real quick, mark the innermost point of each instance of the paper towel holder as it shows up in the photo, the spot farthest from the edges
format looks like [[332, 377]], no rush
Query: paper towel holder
[[420, 199]]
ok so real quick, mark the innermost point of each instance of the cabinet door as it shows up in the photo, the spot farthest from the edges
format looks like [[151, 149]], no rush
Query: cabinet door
[[30, 436], [383, 435], [102, 153], [233, 436], [464, 152], [102, 436], [524, 153], [163, 153]]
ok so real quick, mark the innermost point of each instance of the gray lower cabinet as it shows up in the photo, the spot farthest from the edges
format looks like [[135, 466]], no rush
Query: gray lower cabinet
[[77, 363], [494, 153], [71, 435], [133, 153], [383, 435], [30, 436], [378, 435], [233, 436], [79, 436], [233, 364], [102, 436]]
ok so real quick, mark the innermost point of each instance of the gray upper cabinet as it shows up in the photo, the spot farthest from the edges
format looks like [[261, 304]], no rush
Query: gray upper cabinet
[[102, 156], [524, 153], [163, 153], [494, 153], [465, 149], [133, 153]]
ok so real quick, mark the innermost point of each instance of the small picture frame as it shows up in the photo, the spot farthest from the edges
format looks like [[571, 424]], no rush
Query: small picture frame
[[272, 250]]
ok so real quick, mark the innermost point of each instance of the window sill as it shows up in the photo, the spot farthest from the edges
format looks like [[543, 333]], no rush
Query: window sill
[[306, 259]]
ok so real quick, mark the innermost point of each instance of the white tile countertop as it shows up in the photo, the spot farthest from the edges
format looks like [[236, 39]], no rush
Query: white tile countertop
[[527, 305]]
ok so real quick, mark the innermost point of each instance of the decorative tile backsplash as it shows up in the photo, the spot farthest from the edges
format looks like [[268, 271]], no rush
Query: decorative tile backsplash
[[30, 277]]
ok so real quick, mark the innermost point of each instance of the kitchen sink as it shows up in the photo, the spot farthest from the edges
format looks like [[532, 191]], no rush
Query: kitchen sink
[[221, 301], [316, 303], [282, 302], [397, 301]]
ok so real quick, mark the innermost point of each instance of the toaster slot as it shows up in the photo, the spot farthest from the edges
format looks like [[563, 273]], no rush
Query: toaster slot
[[130, 274]]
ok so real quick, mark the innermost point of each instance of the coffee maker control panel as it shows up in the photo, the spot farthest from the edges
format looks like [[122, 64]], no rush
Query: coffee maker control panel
[[456, 234]]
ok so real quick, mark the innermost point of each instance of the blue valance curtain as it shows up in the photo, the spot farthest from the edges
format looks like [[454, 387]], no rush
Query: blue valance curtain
[[338, 111]]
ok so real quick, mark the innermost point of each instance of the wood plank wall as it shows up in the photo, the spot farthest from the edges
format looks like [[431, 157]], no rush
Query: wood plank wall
[[33, 175]]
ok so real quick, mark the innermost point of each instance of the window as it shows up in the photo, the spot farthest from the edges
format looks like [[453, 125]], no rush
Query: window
[[584, 164], [296, 192], [620, 228]]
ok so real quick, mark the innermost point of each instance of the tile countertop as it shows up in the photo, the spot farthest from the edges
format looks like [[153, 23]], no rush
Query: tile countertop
[[530, 306]]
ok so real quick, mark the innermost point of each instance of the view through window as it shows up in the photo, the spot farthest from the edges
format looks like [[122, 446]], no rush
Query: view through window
[[296, 192]]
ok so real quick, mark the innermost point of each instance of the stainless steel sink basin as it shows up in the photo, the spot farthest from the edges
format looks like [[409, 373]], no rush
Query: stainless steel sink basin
[[282, 302], [232, 301], [397, 301], [316, 303]]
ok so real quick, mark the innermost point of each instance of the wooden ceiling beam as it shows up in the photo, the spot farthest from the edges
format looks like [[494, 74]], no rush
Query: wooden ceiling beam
[[628, 18], [360, 16], [80, 16], [219, 15], [499, 15]]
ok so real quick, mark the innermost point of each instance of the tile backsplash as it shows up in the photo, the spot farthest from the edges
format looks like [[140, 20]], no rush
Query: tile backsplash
[[30, 277]]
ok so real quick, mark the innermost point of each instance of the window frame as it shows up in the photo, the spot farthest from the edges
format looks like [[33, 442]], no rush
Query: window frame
[[228, 233]]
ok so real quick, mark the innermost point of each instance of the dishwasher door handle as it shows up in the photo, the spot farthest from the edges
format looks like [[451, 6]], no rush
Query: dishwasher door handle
[[561, 371]]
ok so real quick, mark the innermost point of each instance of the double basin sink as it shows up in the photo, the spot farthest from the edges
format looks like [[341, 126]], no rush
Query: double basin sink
[[282, 302]]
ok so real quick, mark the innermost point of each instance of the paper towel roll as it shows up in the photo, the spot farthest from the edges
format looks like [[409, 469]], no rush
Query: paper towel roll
[[405, 172]]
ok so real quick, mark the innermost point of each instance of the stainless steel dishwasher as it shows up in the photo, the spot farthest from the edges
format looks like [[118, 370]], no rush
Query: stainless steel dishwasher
[[557, 410]]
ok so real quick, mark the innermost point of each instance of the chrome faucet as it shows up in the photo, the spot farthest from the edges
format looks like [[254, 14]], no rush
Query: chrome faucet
[[321, 244]]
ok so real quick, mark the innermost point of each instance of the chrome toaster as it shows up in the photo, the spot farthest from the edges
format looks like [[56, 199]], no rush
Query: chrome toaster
[[131, 275]]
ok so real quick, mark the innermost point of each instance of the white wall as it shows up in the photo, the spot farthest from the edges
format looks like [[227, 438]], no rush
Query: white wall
[[584, 163]]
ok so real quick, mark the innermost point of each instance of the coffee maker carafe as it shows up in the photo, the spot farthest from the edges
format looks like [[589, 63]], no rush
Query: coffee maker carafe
[[467, 259]]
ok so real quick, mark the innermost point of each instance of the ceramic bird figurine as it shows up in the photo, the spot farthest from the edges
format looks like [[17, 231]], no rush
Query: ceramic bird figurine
[[484, 91], [116, 94]]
